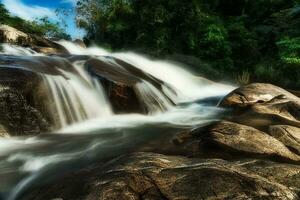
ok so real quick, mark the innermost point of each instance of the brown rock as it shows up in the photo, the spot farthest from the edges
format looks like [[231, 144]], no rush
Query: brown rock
[[154, 177], [119, 80], [255, 93], [261, 105], [231, 140], [288, 135], [13, 36], [3, 132]]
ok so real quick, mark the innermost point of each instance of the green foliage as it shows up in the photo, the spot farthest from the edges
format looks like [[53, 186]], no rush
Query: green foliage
[[42, 27], [290, 50], [234, 37]]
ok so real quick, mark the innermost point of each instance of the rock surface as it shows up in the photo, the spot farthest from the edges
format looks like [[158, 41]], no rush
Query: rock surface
[[17, 116], [148, 176], [230, 140], [13, 36], [256, 93], [288, 135], [225, 160], [120, 81]]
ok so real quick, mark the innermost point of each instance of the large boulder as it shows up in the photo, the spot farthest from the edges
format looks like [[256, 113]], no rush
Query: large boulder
[[288, 135], [148, 176], [262, 105], [230, 140], [40, 44], [255, 93]]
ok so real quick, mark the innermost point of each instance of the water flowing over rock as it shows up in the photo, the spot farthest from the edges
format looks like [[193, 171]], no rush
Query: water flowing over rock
[[95, 125]]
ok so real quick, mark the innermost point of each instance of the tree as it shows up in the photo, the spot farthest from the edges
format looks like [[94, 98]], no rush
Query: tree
[[42, 27]]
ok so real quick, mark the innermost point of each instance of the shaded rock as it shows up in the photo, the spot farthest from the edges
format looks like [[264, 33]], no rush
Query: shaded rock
[[288, 135], [13, 36], [154, 176], [120, 81], [80, 43], [17, 116], [118, 84], [231, 140], [286, 174]]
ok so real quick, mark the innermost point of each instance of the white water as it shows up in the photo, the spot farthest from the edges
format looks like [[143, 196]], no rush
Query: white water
[[91, 131], [77, 98], [188, 86]]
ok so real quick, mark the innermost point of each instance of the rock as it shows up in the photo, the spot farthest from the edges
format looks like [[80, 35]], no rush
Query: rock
[[118, 84], [17, 116], [120, 81], [80, 43], [148, 176], [263, 105], [230, 140], [42, 45], [288, 135], [3, 132], [11, 35], [255, 93]]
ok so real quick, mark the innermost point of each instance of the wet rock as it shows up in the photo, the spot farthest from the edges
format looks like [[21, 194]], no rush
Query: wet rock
[[120, 81], [154, 176], [17, 116], [118, 84], [80, 43]]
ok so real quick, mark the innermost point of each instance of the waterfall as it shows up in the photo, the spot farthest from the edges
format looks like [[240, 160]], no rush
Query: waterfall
[[188, 86], [77, 100], [153, 98], [90, 131]]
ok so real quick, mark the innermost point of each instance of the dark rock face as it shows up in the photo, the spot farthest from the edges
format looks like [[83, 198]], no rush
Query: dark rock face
[[17, 116], [119, 80], [155, 176], [26, 105], [80, 43]]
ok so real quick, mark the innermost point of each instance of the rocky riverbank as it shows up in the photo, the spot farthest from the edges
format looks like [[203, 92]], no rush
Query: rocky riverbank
[[257, 158]]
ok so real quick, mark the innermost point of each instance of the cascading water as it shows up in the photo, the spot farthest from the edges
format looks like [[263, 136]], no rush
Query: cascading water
[[77, 98], [91, 132]]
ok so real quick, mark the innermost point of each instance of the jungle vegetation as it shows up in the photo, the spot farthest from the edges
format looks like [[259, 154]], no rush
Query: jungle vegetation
[[241, 40]]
